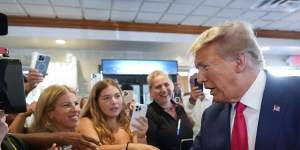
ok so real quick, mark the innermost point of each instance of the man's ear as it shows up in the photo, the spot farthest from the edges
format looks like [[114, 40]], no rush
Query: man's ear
[[241, 62]]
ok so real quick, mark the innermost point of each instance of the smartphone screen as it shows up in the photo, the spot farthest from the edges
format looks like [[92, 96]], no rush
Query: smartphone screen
[[140, 110]]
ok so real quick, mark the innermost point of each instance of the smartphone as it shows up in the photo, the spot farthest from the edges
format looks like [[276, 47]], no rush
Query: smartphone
[[127, 96], [140, 110], [41, 63], [194, 82], [186, 144]]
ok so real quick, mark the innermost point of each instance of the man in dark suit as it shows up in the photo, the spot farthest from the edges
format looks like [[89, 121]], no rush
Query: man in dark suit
[[252, 109]]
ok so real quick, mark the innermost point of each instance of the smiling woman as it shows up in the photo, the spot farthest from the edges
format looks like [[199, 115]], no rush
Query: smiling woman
[[57, 110], [168, 122]]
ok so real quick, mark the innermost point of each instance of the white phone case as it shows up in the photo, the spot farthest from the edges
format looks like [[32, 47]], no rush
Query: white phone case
[[140, 110]]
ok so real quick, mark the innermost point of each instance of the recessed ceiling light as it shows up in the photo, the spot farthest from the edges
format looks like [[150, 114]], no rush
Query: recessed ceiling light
[[61, 42], [265, 48]]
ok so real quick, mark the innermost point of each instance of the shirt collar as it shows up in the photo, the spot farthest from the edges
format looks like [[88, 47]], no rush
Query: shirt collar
[[253, 97]]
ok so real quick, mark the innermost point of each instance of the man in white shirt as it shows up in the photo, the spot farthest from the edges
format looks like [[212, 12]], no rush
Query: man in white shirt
[[195, 103], [252, 110]]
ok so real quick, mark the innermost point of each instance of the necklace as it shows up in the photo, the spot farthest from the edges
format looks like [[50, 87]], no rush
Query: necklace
[[169, 109]]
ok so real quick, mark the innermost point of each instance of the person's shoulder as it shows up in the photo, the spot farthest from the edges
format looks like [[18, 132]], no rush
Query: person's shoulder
[[84, 121], [286, 85], [217, 108], [151, 109]]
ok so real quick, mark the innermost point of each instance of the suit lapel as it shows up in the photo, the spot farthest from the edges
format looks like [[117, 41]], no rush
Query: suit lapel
[[271, 113], [220, 130]]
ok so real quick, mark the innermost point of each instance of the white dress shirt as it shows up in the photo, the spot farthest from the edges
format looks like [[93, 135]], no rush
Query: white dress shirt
[[252, 99], [196, 111]]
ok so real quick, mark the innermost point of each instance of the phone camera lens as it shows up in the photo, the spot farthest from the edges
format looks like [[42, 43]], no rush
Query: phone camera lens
[[41, 58], [177, 99]]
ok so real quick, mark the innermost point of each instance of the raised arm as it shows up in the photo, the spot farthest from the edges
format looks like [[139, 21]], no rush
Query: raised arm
[[46, 139]]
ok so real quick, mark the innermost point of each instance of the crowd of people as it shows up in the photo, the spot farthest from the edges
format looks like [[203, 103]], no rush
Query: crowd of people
[[249, 110]]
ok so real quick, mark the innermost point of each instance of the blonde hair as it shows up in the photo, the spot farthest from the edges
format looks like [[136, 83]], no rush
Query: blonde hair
[[99, 119], [45, 104], [153, 75], [231, 38]]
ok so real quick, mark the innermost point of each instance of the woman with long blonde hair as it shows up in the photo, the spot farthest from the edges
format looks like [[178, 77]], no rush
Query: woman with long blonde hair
[[57, 110], [104, 118]]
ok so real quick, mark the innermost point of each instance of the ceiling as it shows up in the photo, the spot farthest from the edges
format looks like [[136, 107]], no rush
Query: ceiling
[[178, 12], [172, 15]]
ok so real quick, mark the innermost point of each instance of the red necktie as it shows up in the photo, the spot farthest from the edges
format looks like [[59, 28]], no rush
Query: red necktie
[[239, 137]]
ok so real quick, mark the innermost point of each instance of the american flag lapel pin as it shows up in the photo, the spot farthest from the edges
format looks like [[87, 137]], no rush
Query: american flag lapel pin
[[276, 108]]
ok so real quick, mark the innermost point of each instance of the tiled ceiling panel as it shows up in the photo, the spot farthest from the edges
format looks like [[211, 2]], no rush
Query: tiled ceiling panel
[[43, 2], [122, 16], [279, 25], [293, 17], [39, 10], [68, 12], [148, 17], [273, 16], [158, 1], [230, 13], [194, 20], [96, 14], [217, 3], [215, 21], [187, 12], [171, 19], [193, 2], [154, 7], [99, 4], [126, 5], [8, 1], [252, 15], [70, 3], [181, 9], [11, 9], [261, 23], [241, 4], [206, 11]]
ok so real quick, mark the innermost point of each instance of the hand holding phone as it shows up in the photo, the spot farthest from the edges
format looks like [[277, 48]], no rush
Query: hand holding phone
[[139, 111], [41, 62], [194, 82]]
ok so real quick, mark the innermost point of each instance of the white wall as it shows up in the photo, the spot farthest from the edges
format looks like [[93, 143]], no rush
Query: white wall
[[88, 60]]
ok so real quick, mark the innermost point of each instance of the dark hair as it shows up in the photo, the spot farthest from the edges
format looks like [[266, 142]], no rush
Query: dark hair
[[126, 86]]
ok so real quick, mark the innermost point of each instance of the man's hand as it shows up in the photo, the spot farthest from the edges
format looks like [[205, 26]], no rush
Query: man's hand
[[33, 79], [78, 141], [195, 95]]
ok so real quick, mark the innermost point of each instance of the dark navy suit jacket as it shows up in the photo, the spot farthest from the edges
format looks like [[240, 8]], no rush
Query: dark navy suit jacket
[[278, 129]]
